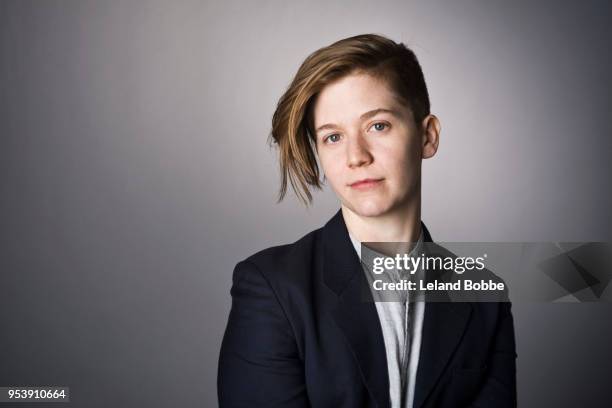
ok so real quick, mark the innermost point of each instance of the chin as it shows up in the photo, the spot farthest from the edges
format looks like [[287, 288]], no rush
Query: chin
[[369, 208]]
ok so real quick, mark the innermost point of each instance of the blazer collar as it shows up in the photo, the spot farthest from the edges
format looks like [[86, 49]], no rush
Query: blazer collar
[[355, 314], [341, 262]]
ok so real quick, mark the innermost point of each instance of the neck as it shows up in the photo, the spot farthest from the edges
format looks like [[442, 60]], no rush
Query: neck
[[401, 225]]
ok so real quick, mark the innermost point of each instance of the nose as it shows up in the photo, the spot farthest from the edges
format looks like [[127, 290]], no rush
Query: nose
[[358, 153]]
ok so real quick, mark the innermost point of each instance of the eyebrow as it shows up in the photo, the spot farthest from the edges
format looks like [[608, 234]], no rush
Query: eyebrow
[[363, 116]]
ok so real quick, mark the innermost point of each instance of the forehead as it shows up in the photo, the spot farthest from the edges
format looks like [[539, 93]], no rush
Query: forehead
[[347, 98]]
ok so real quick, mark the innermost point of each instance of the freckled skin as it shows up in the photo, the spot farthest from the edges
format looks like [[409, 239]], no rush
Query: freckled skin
[[384, 146]]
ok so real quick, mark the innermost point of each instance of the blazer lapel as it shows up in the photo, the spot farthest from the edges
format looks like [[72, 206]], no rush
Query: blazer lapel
[[443, 326], [354, 313]]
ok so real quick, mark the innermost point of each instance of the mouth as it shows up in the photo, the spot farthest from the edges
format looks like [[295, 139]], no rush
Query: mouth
[[366, 183]]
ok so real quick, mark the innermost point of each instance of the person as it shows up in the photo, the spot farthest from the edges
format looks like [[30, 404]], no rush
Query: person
[[299, 333]]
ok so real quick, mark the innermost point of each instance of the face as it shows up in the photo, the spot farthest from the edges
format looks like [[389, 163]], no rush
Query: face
[[368, 144]]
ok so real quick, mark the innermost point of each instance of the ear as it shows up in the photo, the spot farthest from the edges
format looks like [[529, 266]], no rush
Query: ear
[[431, 136]]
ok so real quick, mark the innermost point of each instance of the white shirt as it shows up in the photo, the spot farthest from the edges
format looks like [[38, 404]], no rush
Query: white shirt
[[402, 361]]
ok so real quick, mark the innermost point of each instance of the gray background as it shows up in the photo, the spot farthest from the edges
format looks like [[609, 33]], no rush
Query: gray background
[[134, 174]]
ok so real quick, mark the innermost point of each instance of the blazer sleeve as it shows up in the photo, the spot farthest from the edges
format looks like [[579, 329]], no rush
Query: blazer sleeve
[[499, 388], [259, 363]]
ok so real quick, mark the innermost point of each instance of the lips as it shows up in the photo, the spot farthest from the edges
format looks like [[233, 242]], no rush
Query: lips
[[366, 183]]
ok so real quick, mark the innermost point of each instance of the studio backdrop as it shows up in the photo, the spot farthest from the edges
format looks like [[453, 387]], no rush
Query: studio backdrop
[[135, 172]]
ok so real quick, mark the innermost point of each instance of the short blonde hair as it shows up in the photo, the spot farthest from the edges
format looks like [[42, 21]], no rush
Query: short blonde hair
[[293, 121]]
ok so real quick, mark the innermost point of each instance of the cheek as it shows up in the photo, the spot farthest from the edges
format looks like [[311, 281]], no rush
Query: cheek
[[332, 168], [399, 163], [408, 152], [393, 160]]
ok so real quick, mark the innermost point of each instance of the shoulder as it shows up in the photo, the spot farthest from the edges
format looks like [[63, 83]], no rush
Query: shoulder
[[287, 253], [284, 262]]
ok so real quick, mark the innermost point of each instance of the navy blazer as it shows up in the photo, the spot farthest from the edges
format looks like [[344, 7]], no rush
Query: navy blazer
[[300, 335]]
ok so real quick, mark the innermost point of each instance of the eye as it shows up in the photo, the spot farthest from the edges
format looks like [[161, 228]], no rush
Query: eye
[[333, 138], [379, 126]]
